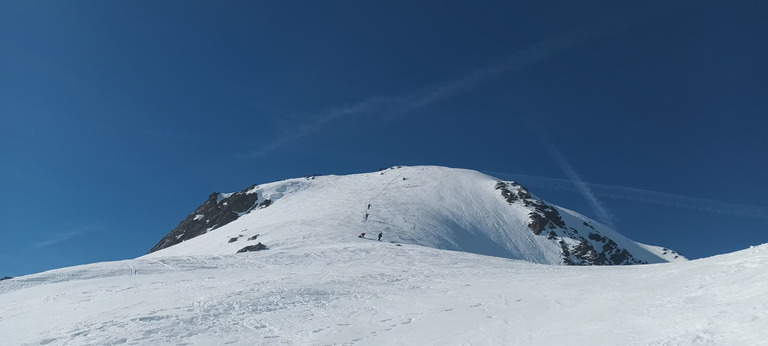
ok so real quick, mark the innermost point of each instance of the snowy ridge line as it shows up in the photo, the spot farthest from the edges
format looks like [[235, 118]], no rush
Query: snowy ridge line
[[438, 207]]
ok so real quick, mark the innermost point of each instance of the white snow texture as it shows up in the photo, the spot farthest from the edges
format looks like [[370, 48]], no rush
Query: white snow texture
[[318, 284]]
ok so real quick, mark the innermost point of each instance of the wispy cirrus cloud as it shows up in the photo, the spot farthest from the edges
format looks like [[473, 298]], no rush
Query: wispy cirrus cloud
[[392, 107], [67, 234], [582, 187], [59, 238], [371, 106]]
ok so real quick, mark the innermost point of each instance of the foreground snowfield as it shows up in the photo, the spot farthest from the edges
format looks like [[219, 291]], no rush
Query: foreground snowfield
[[377, 293]]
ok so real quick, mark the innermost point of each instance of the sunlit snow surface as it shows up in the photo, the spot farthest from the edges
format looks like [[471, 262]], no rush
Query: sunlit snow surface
[[438, 207], [318, 284], [372, 293]]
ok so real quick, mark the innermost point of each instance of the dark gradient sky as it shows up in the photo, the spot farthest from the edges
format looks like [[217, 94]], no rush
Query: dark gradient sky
[[118, 118]]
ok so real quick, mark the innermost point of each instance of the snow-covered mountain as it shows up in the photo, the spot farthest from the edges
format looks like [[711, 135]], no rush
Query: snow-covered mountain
[[438, 207], [318, 284]]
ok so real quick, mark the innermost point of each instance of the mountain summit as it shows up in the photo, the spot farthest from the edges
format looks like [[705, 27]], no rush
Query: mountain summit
[[317, 283], [438, 207]]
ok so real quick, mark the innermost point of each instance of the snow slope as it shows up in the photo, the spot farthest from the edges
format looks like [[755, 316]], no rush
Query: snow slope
[[319, 284], [438, 207], [371, 293]]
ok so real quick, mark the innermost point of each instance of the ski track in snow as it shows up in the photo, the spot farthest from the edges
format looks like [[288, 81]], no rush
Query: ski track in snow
[[373, 293]]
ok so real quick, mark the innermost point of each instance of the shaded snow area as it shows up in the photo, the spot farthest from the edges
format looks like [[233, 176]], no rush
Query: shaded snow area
[[378, 293], [438, 207]]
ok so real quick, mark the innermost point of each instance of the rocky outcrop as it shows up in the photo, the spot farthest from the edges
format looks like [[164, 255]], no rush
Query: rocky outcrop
[[513, 192], [218, 210], [249, 248], [668, 251], [595, 249], [542, 215], [6, 278]]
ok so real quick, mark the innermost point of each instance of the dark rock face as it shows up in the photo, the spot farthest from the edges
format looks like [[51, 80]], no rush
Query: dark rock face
[[596, 249], [538, 223], [542, 216], [519, 193], [249, 248], [6, 278], [217, 211], [265, 203]]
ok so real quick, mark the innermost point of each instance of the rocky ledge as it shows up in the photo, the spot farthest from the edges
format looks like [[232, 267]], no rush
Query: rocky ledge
[[576, 249], [219, 210]]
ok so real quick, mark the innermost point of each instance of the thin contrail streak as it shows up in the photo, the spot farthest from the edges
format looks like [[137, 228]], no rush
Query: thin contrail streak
[[643, 196], [600, 210], [396, 106], [393, 107], [58, 239], [372, 105]]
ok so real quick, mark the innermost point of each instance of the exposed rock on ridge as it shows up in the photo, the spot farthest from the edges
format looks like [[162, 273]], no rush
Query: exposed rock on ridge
[[218, 210], [595, 249], [438, 207]]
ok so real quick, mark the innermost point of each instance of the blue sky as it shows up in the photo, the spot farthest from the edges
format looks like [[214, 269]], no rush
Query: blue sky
[[118, 118]]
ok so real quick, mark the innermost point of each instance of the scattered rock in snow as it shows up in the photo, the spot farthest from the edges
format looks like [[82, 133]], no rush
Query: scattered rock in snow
[[520, 193], [584, 251], [232, 240], [542, 216], [254, 237], [578, 250], [249, 248]]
